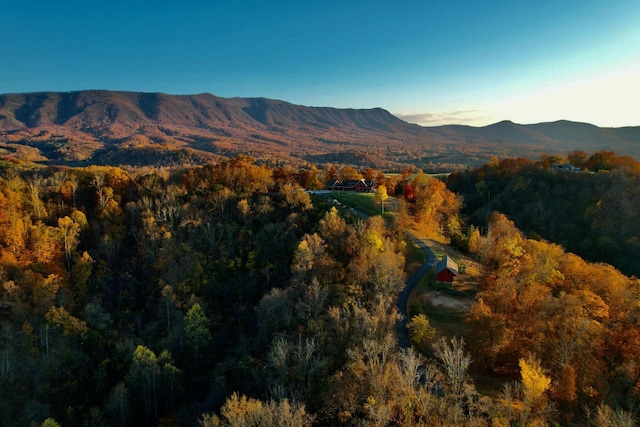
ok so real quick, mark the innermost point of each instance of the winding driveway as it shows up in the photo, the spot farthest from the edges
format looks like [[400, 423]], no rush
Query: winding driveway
[[403, 296]]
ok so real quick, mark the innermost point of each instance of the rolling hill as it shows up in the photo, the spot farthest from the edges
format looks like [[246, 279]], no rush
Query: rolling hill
[[107, 127]]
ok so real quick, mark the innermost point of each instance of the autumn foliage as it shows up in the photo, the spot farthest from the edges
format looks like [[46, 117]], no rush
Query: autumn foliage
[[227, 295], [577, 317]]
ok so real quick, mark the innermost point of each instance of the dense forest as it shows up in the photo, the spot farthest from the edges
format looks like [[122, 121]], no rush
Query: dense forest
[[226, 295], [595, 213]]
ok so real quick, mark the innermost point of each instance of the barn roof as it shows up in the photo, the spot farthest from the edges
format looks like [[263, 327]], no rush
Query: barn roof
[[447, 264]]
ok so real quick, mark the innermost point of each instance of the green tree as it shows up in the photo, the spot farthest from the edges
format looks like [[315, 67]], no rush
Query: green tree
[[49, 422], [144, 373], [196, 328], [155, 377]]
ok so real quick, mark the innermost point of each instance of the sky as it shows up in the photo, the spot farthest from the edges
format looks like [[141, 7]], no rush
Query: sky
[[428, 62]]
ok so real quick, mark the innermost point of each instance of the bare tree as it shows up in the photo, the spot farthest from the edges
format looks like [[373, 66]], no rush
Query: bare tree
[[34, 186]]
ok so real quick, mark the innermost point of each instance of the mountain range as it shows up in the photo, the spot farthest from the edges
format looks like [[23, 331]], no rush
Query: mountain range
[[109, 127]]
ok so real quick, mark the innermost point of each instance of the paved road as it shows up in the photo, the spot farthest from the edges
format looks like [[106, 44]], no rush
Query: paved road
[[403, 296]]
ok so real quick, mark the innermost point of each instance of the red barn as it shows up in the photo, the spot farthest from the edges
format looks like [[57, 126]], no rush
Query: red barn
[[446, 270]]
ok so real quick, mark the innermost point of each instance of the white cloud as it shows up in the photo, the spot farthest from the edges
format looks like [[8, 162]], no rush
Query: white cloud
[[457, 117]]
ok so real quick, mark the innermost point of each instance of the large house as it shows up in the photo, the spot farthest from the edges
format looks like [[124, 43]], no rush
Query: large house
[[358, 185], [446, 270]]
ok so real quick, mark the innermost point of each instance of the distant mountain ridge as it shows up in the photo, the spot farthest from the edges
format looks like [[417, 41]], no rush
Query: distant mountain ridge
[[109, 127]]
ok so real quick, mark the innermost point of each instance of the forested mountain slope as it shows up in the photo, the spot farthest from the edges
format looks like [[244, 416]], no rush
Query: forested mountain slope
[[106, 127], [595, 213]]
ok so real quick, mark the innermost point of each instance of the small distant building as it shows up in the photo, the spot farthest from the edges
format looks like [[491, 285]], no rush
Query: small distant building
[[357, 185], [446, 270], [565, 167]]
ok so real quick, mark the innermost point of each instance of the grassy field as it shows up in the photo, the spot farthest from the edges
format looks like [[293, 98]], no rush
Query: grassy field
[[423, 285], [365, 202], [448, 323]]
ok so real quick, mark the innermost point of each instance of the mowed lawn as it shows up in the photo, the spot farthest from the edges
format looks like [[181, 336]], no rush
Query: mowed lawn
[[364, 202]]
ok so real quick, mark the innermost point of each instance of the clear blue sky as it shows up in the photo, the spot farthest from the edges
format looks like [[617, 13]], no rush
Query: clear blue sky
[[429, 62]]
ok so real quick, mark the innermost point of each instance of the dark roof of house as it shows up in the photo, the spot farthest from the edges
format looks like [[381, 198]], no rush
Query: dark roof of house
[[447, 264], [350, 183]]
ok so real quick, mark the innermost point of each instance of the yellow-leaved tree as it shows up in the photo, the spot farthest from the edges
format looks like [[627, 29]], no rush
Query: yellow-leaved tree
[[534, 380], [381, 196], [535, 383]]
